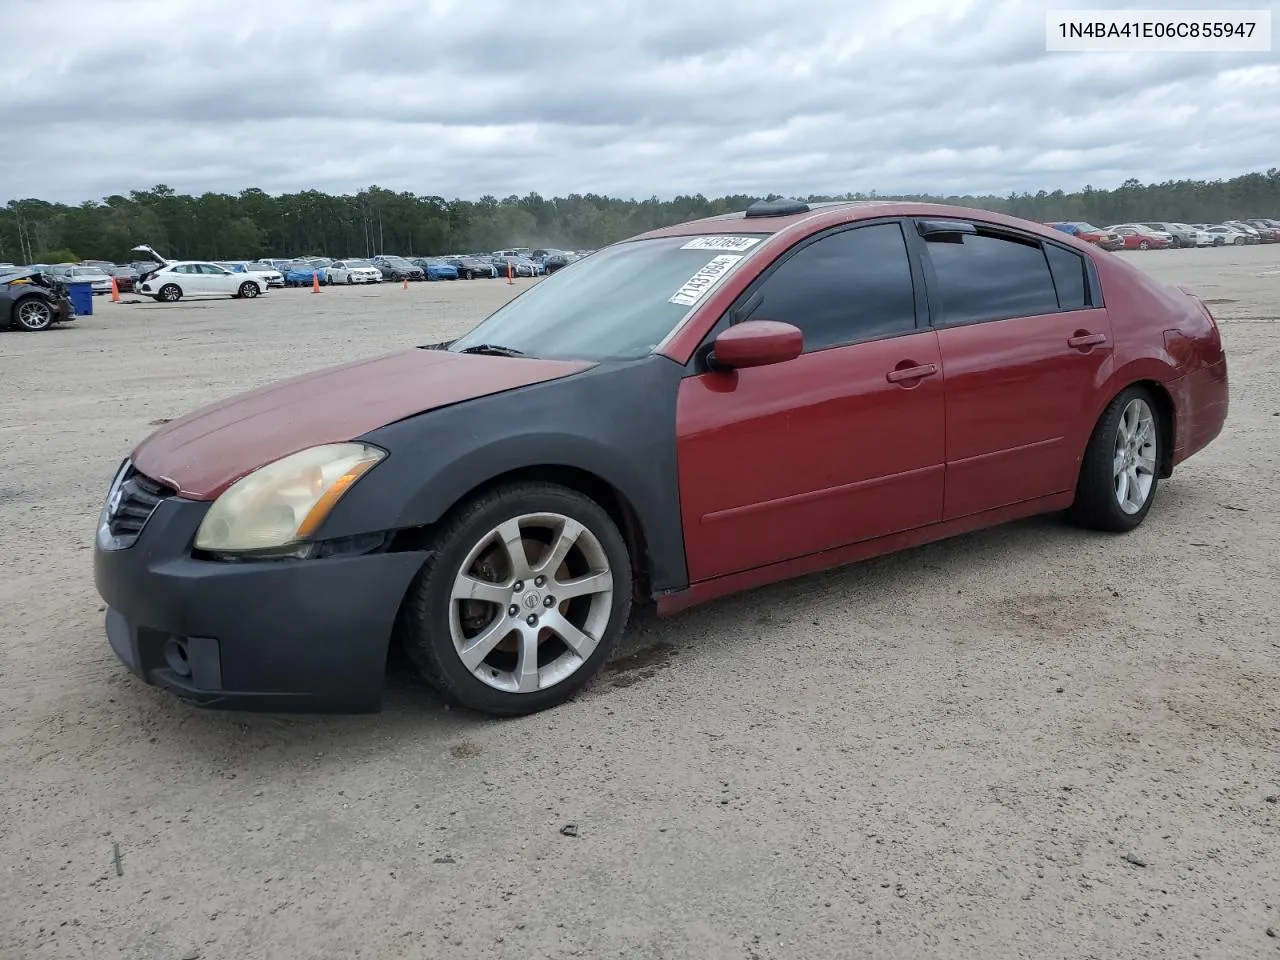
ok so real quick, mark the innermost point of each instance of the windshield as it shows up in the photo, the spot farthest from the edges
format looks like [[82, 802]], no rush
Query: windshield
[[618, 304], [1084, 227], [397, 261], [357, 264]]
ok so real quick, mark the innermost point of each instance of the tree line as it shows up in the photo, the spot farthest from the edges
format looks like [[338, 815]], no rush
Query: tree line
[[254, 224]]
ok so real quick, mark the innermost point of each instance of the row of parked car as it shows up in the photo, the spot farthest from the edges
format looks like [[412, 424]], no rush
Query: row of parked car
[[516, 262], [1161, 235], [304, 271]]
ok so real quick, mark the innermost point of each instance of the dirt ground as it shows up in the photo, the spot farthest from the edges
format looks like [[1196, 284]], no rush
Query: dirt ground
[[1028, 742]]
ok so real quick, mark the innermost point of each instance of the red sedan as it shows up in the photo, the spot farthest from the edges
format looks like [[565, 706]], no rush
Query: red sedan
[[700, 410], [1142, 238]]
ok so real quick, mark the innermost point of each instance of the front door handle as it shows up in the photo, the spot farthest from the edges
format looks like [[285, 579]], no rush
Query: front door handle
[[899, 374], [1081, 340]]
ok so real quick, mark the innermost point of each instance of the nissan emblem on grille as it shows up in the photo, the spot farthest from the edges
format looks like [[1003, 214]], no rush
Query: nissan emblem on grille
[[131, 503]]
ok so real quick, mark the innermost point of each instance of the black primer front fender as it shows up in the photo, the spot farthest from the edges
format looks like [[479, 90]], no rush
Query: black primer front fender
[[616, 421]]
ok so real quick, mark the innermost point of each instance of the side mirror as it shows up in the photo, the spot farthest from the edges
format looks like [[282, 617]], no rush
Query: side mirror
[[756, 343]]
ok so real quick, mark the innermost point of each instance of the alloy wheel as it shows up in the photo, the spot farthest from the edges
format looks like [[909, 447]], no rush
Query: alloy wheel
[[1134, 466], [34, 315], [520, 625]]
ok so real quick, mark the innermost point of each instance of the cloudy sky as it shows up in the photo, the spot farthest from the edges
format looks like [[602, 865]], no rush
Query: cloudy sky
[[624, 97]]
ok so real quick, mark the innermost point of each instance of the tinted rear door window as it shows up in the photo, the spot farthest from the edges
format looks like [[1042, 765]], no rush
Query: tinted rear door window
[[990, 276], [846, 286]]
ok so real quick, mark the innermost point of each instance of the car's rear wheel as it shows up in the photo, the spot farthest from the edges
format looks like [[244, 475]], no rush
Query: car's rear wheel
[[1121, 466], [469, 274], [169, 293], [33, 315], [248, 290], [1238, 241], [527, 593]]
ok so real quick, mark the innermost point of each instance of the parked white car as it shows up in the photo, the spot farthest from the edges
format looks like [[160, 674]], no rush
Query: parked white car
[[268, 273], [354, 271], [1223, 235], [1251, 233], [195, 278]]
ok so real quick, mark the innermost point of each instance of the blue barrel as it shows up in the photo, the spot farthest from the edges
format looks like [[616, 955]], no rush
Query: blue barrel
[[81, 297]]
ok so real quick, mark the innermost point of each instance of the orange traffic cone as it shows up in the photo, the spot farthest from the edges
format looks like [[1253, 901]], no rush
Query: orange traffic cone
[[115, 291], [315, 281], [509, 269], [406, 283]]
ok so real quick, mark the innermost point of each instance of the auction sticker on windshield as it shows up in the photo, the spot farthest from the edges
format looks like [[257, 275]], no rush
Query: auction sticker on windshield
[[696, 287], [721, 243]]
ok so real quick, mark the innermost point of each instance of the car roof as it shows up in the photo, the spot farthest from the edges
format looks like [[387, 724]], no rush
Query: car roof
[[820, 216]]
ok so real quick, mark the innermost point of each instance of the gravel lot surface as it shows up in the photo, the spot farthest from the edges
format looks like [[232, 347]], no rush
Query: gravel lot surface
[[1028, 742]]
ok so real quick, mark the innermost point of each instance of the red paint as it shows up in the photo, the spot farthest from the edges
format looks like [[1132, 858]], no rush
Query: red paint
[[204, 452], [1020, 402], [786, 231], [758, 343], [822, 460], [809, 454], [851, 553]]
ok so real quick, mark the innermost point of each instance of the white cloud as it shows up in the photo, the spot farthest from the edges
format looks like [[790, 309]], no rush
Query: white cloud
[[624, 97]]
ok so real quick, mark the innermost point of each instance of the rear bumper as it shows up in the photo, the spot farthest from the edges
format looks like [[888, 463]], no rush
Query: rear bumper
[[282, 636], [1203, 400]]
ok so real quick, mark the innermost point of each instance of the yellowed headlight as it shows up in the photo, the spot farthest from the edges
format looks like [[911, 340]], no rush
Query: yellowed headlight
[[286, 501]]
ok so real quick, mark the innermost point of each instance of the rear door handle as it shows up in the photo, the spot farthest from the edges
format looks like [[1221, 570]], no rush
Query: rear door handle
[[1086, 340], [911, 373]]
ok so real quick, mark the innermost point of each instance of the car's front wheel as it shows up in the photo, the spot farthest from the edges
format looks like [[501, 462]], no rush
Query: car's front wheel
[[33, 315], [248, 290], [527, 592], [1121, 466]]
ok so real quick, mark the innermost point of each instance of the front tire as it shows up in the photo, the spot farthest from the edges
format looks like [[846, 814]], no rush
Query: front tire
[[33, 315], [170, 293], [248, 290], [1144, 245], [1120, 471], [507, 635]]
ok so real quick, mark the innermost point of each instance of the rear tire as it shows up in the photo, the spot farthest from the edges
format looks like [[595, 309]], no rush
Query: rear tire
[[169, 293], [573, 541], [1120, 470]]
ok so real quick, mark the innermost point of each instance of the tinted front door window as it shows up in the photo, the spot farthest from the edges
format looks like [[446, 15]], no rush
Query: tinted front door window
[[847, 286]]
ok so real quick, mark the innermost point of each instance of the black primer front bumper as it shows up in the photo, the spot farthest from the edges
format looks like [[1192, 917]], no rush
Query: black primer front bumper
[[274, 636]]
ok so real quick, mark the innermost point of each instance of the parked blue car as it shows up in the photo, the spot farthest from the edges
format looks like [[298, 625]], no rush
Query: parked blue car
[[437, 269], [300, 275]]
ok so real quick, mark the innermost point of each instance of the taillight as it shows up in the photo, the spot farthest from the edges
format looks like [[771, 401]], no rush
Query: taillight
[[1213, 323]]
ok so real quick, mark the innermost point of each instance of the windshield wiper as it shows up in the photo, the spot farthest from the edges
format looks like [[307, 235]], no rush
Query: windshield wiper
[[493, 350]]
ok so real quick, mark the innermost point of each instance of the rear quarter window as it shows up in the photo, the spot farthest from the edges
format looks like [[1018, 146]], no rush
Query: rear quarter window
[[1069, 278]]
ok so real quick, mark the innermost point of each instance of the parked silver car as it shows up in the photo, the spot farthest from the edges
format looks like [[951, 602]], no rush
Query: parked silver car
[[1184, 235], [98, 278]]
